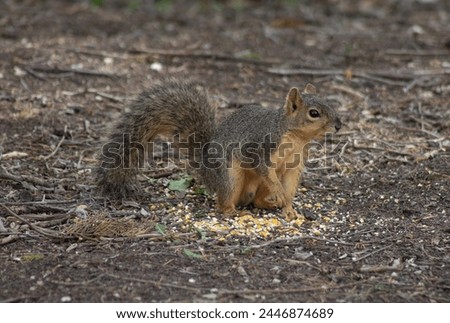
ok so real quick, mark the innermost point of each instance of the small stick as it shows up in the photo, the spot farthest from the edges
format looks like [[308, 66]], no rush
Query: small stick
[[407, 52], [70, 71], [57, 146], [375, 75], [9, 239], [402, 153], [45, 232], [371, 253], [265, 244], [348, 90], [34, 74], [107, 96], [218, 57], [289, 291], [39, 203], [6, 175]]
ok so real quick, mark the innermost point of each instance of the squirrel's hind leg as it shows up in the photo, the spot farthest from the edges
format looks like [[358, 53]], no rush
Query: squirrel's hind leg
[[228, 196], [250, 187]]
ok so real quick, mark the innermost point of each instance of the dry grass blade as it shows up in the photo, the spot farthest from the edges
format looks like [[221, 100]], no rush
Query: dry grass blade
[[102, 226]]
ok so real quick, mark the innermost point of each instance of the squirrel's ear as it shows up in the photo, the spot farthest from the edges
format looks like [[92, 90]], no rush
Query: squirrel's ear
[[293, 100], [309, 89]]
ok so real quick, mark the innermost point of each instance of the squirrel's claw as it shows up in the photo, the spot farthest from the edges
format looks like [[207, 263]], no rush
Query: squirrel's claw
[[289, 213]]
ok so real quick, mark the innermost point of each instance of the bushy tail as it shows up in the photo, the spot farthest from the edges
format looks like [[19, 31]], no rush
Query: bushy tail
[[172, 108]]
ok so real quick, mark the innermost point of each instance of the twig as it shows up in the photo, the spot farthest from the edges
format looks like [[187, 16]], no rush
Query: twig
[[51, 223], [384, 76], [97, 53], [41, 202], [296, 262], [437, 173], [289, 291], [371, 253], [213, 56], [9, 239], [43, 217], [57, 146], [308, 71], [161, 174], [6, 175], [34, 74], [71, 283], [107, 96], [402, 153], [377, 269], [174, 53], [348, 90], [25, 180], [54, 70], [335, 72], [46, 232], [407, 52], [14, 299], [290, 239]]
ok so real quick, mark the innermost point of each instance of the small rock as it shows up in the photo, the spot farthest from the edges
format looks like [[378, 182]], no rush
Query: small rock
[[66, 299], [210, 296], [242, 271], [416, 30], [2, 226], [156, 66], [108, 60], [80, 211], [303, 255], [309, 215], [19, 72], [71, 247]]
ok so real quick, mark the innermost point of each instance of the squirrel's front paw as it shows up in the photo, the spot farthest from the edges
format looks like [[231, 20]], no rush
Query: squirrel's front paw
[[276, 200], [228, 210], [289, 213]]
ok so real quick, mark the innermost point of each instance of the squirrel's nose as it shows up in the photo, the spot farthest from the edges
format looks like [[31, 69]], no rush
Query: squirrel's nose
[[338, 125]]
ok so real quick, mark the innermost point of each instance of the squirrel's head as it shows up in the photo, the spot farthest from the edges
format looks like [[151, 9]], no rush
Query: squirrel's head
[[308, 115]]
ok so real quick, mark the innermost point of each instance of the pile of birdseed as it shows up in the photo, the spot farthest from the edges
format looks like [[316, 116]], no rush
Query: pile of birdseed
[[256, 223]]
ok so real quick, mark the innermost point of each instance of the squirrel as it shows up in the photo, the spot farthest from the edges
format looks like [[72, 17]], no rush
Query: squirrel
[[254, 156]]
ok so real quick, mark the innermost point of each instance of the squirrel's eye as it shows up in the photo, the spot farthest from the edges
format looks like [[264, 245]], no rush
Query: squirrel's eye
[[313, 113]]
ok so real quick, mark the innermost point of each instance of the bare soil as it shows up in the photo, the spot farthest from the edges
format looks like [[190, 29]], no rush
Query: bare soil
[[376, 198]]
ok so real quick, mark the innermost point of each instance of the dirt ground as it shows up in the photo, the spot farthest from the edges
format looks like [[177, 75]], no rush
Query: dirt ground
[[375, 199]]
